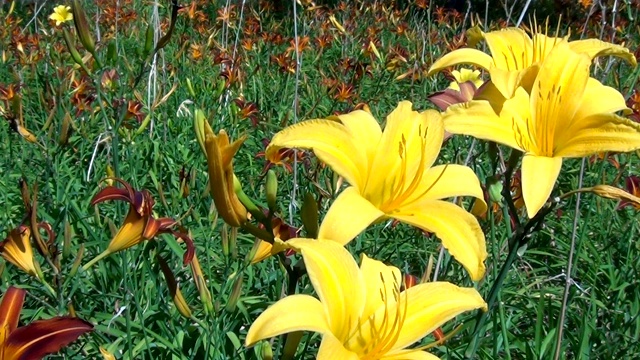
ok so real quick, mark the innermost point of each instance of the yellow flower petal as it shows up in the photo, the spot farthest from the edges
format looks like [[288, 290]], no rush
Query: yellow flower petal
[[381, 282], [598, 99], [331, 349], [462, 56], [337, 280], [293, 313], [348, 216], [539, 174], [130, 233], [451, 180], [331, 141], [408, 127], [364, 129], [599, 133], [596, 48], [459, 231], [478, 119], [556, 95], [16, 249], [430, 305], [511, 48]]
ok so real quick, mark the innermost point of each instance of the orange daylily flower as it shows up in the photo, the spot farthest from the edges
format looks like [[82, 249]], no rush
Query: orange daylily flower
[[140, 223]]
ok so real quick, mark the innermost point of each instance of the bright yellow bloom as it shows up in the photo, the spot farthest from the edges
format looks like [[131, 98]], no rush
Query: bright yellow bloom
[[16, 249], [61, 14], [515, 57], [391, 176], [464, 75], [361, 312], [567, 114]]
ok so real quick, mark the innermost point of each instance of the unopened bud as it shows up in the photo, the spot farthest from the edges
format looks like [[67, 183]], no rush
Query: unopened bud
[[235, 292], [82, 26], [190, 88], [309, 215], [266, 353], [271, 189]]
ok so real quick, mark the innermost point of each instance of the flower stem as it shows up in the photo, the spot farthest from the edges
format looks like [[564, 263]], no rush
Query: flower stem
[[96, 259]]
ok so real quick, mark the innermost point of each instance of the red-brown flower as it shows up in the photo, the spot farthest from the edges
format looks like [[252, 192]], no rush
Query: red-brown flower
[[35, 340], [140, 223]]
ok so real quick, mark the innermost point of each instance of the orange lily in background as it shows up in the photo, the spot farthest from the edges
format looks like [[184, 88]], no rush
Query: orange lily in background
[[140, 223], [37, 339]]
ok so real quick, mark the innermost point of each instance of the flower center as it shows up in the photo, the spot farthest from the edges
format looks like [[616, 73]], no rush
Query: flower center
[[402, 188], [384, 327]]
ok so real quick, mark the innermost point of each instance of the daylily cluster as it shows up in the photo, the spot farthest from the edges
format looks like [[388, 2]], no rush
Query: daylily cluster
[[542, 101], [391, 175]]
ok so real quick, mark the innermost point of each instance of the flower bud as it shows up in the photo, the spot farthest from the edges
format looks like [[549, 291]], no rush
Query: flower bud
[[271, 189], [82, 26], [309, 215]]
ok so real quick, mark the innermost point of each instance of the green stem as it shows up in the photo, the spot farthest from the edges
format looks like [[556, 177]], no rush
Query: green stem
[[96, 259], [46, 285], [520, 238]]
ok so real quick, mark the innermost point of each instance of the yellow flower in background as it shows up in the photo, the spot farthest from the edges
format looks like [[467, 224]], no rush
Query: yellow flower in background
[[391, 174], [61, 14], [515, 57], [16, 249], [463, 75], [567, 114], [360, 311]]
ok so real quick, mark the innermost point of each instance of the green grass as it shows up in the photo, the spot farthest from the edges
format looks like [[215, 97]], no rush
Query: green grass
[[125, 295]]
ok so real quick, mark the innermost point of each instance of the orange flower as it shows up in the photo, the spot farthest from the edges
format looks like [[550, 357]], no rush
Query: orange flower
[[140, 224]]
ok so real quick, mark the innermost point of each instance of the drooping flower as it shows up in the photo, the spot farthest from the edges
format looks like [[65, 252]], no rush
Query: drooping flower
[[391, 176], [567, 114], [360, 311], [37, 339], [515, 57], [61, 14], [16, 249], [140, 223]]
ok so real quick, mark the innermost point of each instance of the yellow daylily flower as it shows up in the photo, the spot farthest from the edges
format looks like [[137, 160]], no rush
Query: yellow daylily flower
[[515, 57], [360, 311], [61, 14], [16, 249], [463, 75], [391, 176], [567, 114]]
